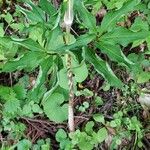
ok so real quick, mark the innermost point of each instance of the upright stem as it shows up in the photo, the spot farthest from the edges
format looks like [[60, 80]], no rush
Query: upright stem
[[68, 19], [71, 95], [71, 88]]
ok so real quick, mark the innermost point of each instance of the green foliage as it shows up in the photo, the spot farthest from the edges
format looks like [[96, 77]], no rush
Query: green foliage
[[32, 45], [99, 118], [83, 140], [110, 4], [131, 124], [98, 101], [85, 92], [103, 68], [87, 18], [124, 36], [53, 107], [88, 140], [84, 106], [62, 138], [28, 61], [42, 144], [106, 43], [138, 73], [109, 21]]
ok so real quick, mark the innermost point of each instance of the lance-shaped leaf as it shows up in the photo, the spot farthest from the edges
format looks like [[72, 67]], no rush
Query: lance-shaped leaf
[[102, 68], [124, 36], [36, 14], [28, 61], [88, 19], [114, 52], [111, 18], [38, 89], [29, 44], [81, 41], [47, 6]]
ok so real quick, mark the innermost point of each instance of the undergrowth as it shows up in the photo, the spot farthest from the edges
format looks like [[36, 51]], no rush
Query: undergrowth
[[109, 48]]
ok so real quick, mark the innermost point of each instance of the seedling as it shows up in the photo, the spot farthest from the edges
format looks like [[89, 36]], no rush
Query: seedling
[[84, 107]]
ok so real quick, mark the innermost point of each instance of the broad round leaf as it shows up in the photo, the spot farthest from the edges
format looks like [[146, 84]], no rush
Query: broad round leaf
[[54, 109]]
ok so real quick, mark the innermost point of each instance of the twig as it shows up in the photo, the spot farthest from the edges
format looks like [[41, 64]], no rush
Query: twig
[[81, 117]]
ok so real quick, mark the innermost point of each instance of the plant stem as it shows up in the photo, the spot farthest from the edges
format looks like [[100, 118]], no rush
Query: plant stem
[[68, 20], [71, 88]]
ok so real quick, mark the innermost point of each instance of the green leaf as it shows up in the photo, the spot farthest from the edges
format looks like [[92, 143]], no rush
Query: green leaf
[[37, 92], [82, 140], [98, 101], [114, 4], [29, 44], [2, 55], [35, 14], [55, 40], [62, 77], [60, 135], [11, 106], [36, 109], [99, 118], [143, 77], [36, 34], [118, 141], [123, 36], [53, 107], [106, 86], [82, 109], [88, 19], [114, 52], [28, 61], [81, 41], [86, 92], [8, 47], [5, 41], [102, 134], [24, 144], [27, 110], [47, 6], [7, 93], [20, 91], [89, 127], [113, 124], [8, 18], [80, 71], [148, 44], [96, 5], [1, 30], [111, 18], [139, 24], [102, 68], [86, 105], [17, 26]]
